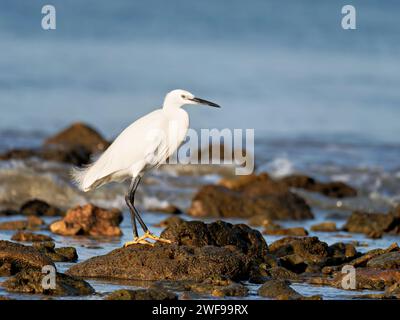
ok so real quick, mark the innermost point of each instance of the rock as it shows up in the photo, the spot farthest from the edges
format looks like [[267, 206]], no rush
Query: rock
[[79, 134], [89, 220], [282, 273], [8, 212], [299, 253], [39, 208], [169, 222], [329, 189], [370, 278], [64, 254], [393, 291], [389, 260], [298, 231], [218, 201], [76, 156], [142, 294], [15, 257], [324, 227], [196, 233], [232, 290], [32, 223], [165, 262], [30, 237], [218, 287], [171, 209], [363, 260], [280, 290], [342, 252], [368, 223], [30, 281]]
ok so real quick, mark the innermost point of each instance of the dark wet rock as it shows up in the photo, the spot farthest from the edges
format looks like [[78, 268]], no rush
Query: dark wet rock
[[37, 207], [329, 189], [89, 220], [232, 290], [30, 281], [76, 156], [32, 223], [296, 231], [369, 223], [218, 287], [15, 257], [25, 236], [296, 253], [3, 298], [256, 199], [282, 273], [8, 212], [166, 262], [324, 227], [196, 233], [174, 220], [171, 209], [281, 290], [389, 260], [142, 294], [81, 135], [342, 252], [63, 254]]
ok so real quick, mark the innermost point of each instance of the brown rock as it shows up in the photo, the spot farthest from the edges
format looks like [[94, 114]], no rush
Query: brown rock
[[15, 257], [165, 262], [280, 290], [30, 281], [171, 209], [30, 237], [362, 222], [363, 260], [89, 220], [389, 260], [79, 134], [297, 231], [169, 222], [32, 223], [329, 189], [324, 227], [232, 290], [299, 253], [196, 233], [64, 254], [218, 201]]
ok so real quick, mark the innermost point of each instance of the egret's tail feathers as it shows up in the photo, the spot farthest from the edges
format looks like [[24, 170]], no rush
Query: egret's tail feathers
[[80, 177]]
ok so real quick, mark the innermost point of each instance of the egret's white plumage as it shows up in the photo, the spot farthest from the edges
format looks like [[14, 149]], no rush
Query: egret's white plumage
[[145, 144]]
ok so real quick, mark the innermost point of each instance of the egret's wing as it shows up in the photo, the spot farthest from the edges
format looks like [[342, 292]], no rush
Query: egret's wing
[[131, 148]]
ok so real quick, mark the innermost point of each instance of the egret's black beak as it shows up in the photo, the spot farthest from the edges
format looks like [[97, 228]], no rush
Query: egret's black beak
[[208, 103]]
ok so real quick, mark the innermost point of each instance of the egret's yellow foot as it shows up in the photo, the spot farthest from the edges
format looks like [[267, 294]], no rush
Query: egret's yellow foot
[[137, 241], [143, 240]]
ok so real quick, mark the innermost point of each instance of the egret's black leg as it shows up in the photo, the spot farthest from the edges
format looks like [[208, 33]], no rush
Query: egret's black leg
[[135, 184], [131, 208]]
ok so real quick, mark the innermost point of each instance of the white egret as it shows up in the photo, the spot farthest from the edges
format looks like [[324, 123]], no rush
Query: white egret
[[144, 145]]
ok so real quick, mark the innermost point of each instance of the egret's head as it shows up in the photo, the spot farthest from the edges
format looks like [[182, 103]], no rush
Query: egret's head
[[178, 98]]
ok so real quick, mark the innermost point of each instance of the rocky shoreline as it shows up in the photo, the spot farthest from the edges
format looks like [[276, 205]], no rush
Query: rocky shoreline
[[208, 256]]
